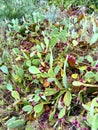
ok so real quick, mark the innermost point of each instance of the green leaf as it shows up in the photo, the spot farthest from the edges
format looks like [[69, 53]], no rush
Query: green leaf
[[32, 125], [94, 38], [20, 72], [27, 108], [36, 98], [65, 64], [50, 91], [57, 69], [53, 41], [28, 63], [95, 122], [16, 51], [80, 95], [64, 79], [44, 75], [89, 119], [51, 116], [36, 62], [62, 35], [94, 101], [38, 47], [51, 59], [25, 55], [16, 123], [47, 58], [4, 69], [11, 120], [9, 87], [51, 79], [92, 110], [89, 75], [37, 91], [77, 83], [5, 56], [32, 54], [67, 98], [15, 95], [17, 78], [46, 40], [34, 70], [38, 108], [93, 21], [42, 45], [86, 106], [83, 68], [51, 73], [36, 81], [80, 59], [39, 55], [96, 76], [62, 113], [0, 61], [89, 58], [58, 83]]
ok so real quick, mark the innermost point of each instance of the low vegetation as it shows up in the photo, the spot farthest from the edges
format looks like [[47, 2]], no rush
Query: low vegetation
[[49, 70]]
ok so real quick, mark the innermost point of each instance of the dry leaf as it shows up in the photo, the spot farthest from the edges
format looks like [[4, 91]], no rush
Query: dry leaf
[[46, 84]]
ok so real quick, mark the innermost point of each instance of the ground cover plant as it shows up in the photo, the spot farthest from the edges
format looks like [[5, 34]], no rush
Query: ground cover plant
[[91, 4], [49, 72], [16, 9]]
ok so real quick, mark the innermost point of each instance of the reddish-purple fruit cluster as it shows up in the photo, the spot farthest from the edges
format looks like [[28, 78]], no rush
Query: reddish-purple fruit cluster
[[89, 68], [61, 45], [78, 125], [44, 68], [71, 60], [26, 45]]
